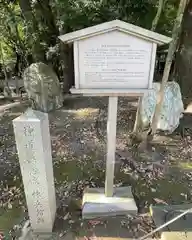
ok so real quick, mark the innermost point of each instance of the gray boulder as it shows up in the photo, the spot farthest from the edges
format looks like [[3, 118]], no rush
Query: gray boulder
[[172, 107], [43, 87]]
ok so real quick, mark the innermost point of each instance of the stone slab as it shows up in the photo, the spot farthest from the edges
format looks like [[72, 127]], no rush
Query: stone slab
[[180, 229], [96, 204]]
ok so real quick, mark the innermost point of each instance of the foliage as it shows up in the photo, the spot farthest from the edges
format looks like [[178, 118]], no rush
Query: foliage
[[166, 21], [12, 32], [81, 13], [29, 28]]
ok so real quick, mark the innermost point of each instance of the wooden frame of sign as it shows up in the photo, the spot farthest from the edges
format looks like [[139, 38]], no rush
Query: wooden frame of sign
[[112, 59]]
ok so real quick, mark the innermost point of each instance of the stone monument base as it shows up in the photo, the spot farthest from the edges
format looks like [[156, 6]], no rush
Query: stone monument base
[[96, 204]]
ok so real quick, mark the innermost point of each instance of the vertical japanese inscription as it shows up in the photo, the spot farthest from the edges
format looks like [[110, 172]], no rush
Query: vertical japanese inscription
[[31, 161], [32, 134]]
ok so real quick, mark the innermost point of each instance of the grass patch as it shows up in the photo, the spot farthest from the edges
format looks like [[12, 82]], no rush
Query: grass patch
[[186, 165]]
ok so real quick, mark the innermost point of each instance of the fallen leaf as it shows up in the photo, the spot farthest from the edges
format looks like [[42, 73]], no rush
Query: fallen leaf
[[71, 221], [157, 200], [9, 205], [94, 223], [66, 216]]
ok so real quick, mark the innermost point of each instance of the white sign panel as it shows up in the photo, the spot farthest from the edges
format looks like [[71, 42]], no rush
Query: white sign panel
[[113, 60]]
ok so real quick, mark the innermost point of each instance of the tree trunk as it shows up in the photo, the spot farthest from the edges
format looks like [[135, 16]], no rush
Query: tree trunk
[[44, 12], [138, 121], [171, 51], [7, 90], [33, 30], [183, 64], [158, 15], [17, 85]]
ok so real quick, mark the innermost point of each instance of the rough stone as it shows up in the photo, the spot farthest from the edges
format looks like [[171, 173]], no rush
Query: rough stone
[[43, 87], [172, 107]]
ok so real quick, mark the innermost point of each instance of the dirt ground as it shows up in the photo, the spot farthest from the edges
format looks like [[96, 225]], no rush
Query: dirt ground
[[160, 173]]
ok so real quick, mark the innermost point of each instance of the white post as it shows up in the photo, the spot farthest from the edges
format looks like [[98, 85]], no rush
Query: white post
[[34, 151], [111, 145]]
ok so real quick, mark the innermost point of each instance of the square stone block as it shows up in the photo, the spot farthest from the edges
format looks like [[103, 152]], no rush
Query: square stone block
[[96, 204], [34, 151]]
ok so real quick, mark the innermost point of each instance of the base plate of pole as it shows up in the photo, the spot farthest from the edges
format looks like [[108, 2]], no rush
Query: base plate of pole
[[96, 204]]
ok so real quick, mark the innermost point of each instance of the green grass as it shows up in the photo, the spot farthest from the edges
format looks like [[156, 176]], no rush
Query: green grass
[[186, 165], [9, 217]]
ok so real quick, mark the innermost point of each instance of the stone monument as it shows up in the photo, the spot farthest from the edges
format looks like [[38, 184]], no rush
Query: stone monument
[[171, 111], [34, 150], [112, 59], [43, 87]]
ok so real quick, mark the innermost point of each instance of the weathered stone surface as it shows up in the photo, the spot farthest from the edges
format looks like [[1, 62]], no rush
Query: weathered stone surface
[[34, 150], [43, 88], [172, 108]]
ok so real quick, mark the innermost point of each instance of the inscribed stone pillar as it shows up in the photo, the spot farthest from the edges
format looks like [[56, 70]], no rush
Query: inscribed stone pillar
[[34, 151]]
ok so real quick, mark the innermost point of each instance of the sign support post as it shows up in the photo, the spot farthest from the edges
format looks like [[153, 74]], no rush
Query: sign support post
[[111, 145], [112, 59], [109, 201]]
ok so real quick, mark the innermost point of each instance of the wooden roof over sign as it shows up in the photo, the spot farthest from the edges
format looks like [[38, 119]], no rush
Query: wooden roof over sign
[[117, 25]]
